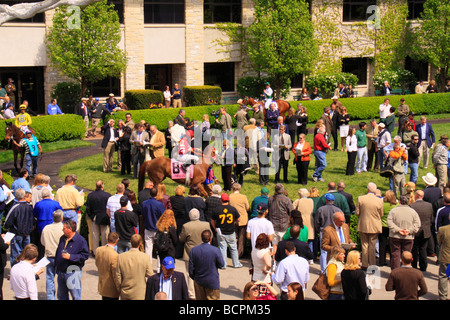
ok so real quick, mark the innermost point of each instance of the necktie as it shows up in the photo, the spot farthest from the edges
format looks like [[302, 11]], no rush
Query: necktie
[[341, 235]]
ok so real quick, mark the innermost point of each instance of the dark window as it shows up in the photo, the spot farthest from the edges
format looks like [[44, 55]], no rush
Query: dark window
[[356, 10], [217, 11], [104, 87], [38, 18], [157, 76], [419, 68], [297, 81], [220, 74], [357, 66], [118, 5], [163, 11], [415, 8]]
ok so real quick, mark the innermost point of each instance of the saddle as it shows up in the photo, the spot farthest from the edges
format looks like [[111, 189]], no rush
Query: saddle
[[178, 171]]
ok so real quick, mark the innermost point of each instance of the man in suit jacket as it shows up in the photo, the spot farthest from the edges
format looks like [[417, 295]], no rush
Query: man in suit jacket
[[386, 89], [172, 282], [426, 140], [369, 209], [443, 239], [106, 262], [191, 236], [425, 211], [335, 234], [327, 122], [179, 119], [133, 267], [138, 138], [157, 142], [372, 134], [109, 143], [301, 248], [284, 147], [349, 197], [334, 116], [419, 89]]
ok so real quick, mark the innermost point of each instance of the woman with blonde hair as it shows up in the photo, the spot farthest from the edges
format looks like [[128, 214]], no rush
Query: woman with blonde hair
[[305, 205], [314, 195], [166, 235], [410, 189], [354, 278], [334, 269], [163, 197], [389, 202]]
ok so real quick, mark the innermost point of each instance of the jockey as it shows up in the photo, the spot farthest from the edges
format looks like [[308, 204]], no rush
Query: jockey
[[184, 151], [23, 119], [268, 95]]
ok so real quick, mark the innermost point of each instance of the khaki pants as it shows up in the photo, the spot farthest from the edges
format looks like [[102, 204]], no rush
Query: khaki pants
[[177, 103], [368, 243], [398, 184], [97, 232], [441, 175], [86, 123], [94, 124], [108, 156], [424, 151], [202, 293], [190, 282], [166, 103]]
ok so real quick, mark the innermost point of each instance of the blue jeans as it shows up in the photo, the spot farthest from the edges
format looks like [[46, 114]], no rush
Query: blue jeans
[[123, 246], [381, 158], [17, 244], [230, 240], [69, 283], [321, 163], [50, 279], [414, 167], [31, 161], [322, 257]]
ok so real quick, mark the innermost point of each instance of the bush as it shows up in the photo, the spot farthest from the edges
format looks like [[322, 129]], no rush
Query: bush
[[142, 99], [53, 128], [202, 95], [327, 83], [68, 96], [254, 86], [398, 79]]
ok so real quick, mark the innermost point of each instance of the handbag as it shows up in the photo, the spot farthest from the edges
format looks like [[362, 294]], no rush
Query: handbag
[[387, 171], [321, 287]]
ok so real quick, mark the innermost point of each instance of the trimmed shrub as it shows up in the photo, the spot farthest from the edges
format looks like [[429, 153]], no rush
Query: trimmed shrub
[[53, 128], [68, 96], [254, 86], [202, 95], [142, 99]]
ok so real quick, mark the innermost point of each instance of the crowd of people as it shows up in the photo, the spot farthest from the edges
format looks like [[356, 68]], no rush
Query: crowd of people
[[128, 229]]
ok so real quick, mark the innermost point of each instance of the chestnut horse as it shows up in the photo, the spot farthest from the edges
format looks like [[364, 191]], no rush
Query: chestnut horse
[[283, 106], [13, 132], [159, 168]]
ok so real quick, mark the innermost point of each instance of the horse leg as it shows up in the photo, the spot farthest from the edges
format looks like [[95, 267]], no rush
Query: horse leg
[[202, 190]]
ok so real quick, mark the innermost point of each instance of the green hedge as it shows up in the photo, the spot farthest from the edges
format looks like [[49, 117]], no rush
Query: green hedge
[[142, 99], [53, 128], [367, 107], [358, 108], [202, 95]]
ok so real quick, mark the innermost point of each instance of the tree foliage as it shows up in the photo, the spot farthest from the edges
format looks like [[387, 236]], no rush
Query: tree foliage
[[432, 37], [281, 40], [83, 45]]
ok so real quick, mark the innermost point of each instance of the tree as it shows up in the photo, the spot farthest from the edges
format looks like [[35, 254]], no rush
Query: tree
[[281, 40], [86, 49], [432, 37], [29, 9]]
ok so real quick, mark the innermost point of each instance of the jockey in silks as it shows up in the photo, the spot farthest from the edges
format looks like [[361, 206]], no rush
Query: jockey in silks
[[268, 95], [185, 152], [23, 119]]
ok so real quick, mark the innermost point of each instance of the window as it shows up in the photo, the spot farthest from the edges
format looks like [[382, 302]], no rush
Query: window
[[415, 8], [157, 76], [220, 74], [38, 18], [357, 66], [297, 81], [163, 11], [217, 11], [104, 87], [356, 10], [419, 68], [118, 5]]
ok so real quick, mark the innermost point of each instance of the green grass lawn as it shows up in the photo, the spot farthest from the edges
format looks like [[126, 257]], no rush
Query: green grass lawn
[[7, 155], [89, 170]]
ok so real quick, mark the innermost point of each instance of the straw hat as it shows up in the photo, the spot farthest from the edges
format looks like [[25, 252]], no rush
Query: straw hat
[[429, 179]]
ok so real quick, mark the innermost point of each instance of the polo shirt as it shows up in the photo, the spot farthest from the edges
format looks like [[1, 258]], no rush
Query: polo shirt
[[361, 138], [43, 212]]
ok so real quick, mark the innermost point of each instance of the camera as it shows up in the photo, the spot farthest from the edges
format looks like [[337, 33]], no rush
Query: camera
[[216, 113]]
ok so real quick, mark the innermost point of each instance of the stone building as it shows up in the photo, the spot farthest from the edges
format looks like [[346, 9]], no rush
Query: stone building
[[175, 42]]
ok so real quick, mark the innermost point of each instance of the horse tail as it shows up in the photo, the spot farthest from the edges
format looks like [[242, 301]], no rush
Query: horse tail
[[142, 172]]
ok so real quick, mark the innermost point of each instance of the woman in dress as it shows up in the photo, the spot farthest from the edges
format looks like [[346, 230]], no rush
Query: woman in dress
[[261, 259], [344, 119]]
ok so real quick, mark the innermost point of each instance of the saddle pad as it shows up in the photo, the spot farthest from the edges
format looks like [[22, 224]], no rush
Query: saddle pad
[[177, 171]]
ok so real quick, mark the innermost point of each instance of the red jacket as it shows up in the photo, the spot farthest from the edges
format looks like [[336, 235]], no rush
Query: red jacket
[[306, 150], [319, 143]]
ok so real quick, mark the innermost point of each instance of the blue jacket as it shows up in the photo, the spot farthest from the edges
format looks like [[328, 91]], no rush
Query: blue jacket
[[204, 260], [43, 212], [272, 116], [152, 210], [20, 219], [78, 249], [53, 109], [428, 132]]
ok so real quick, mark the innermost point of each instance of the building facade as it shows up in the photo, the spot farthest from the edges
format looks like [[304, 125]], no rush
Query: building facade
[[175, 41]]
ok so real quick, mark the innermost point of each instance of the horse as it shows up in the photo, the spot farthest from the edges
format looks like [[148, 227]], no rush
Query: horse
[[13, 132], [159, 168], [283, 106]]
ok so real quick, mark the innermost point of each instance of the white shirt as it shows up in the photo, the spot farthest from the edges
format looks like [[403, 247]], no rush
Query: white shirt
[[256, 226], [384, 110], [293, 268], [9, 114], [23, 281], [167, 95], [113, 205], [112, 138], [351, 143]]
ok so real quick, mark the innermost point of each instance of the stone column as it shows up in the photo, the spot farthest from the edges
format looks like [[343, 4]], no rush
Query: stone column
[[194, 67], [134, 78]]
